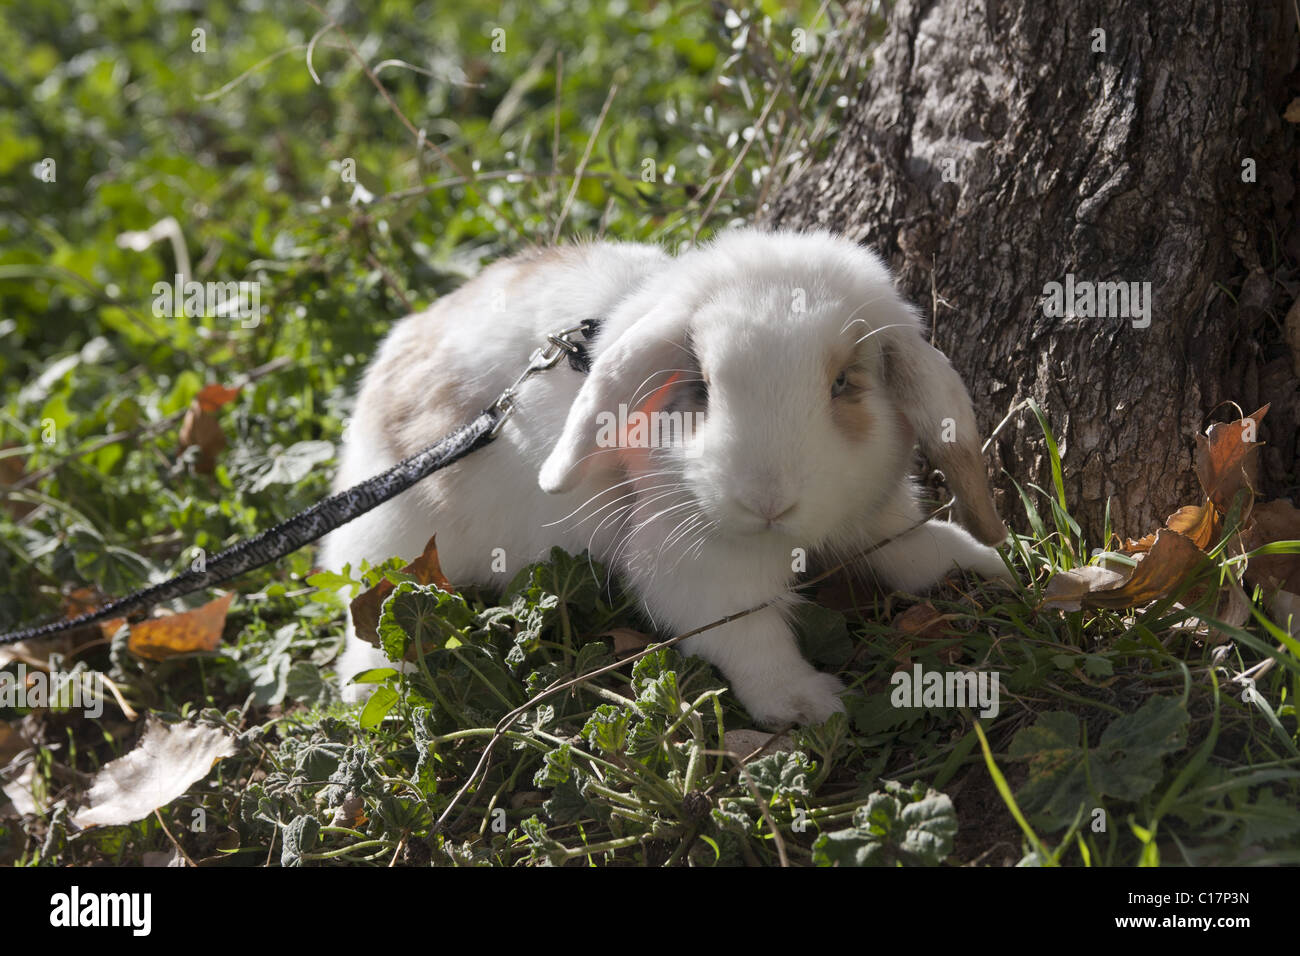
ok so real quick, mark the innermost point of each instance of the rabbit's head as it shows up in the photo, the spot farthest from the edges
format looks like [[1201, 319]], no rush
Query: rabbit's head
[[790, 381]]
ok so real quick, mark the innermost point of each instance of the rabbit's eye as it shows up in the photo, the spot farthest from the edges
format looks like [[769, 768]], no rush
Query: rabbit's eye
[[840, 385]]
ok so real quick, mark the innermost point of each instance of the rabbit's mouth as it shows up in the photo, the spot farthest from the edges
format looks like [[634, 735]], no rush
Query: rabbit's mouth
[[758, 519]]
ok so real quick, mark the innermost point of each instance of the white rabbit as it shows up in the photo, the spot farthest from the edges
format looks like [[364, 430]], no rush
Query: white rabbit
[[809, 380]]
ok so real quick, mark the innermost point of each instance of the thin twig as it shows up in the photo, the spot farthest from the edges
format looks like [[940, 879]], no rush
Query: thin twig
[[390, 281], [735, 164], [179, 849], [586, 155], [555, 138]]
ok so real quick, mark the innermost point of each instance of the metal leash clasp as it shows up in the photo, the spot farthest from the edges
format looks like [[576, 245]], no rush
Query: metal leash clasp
[[558, 345]]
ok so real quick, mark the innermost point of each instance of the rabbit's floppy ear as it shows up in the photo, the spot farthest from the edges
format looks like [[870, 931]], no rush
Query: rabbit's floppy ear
[[625, 371], [933, 399]]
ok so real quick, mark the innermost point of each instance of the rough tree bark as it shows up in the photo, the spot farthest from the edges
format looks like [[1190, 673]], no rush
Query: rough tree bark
[[1117, 164]]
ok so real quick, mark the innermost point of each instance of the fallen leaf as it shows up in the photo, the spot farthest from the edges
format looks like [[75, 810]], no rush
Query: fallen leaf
[[12, 470], [1225, 458], [1166, 566], [626, 640], [111, 626], [1285, 609], [26, 792], [366, 606], [212, 397], [1068, 589], [1233, 610], [1200, 523], [745, 742], [1160, 572], [79, 601], [84, 600], [159, 638], [202, 428], [922, 623], [1273, 521], [1292, 114], [920, 620], [169, 759]]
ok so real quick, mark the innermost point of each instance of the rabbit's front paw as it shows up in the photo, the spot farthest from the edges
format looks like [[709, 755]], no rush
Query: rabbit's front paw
[[987, 563], [806, 698]]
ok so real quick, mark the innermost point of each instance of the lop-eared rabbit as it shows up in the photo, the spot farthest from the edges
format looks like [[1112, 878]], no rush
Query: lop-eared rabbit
[[790, 382]]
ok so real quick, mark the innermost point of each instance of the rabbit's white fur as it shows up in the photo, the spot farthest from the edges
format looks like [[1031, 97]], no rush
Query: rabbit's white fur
[[780, 463]]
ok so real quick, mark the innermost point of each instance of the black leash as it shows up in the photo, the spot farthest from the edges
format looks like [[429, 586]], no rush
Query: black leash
[[338, 509]]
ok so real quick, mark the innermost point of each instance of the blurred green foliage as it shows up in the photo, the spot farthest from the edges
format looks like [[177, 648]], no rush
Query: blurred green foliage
[[210, 114]]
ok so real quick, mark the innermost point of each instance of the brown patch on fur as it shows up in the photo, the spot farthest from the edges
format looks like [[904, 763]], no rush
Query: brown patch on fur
[[405, 403], [408, 396], [851, 417], [848, 411]]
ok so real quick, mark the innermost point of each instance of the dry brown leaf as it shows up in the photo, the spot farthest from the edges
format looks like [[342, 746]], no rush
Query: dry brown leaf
[[110, 627], [211, 397], [1067, 589], [202, 428], [1292, 113], [80, 601], [1137, 547], [742, 743], [366, 606], [1225, 460], [159, 638], [1233, 610], [1201, 524], [626, 640], [1284, 607], [1160, 572], [1166, 566], [1273, 521], [12, 469], [922, 623]]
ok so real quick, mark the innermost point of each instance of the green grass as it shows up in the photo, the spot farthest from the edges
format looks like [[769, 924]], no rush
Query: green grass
[[1122, 737]]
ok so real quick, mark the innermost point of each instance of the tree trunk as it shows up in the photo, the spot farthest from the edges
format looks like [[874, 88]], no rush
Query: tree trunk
[[998, 146]]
